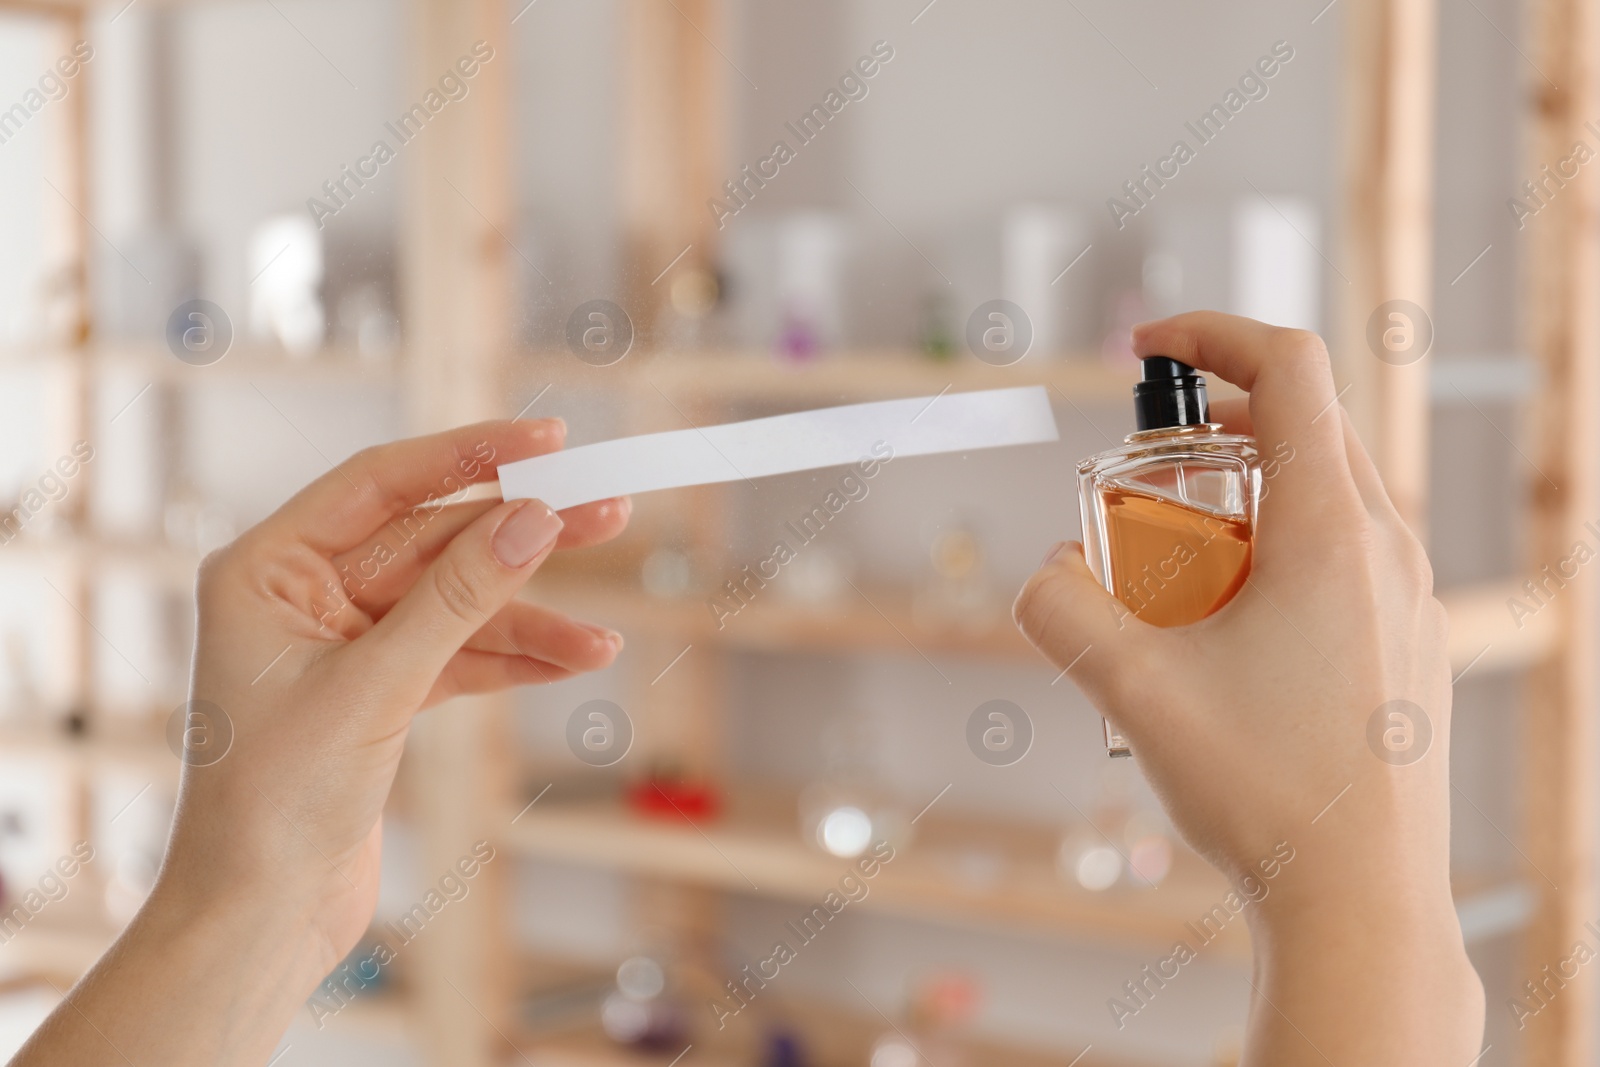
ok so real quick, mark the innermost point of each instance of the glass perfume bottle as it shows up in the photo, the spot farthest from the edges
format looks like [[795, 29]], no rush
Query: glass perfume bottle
[[1169, 518]]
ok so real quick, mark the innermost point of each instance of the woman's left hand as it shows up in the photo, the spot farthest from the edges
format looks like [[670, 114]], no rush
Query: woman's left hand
[[321, 633]]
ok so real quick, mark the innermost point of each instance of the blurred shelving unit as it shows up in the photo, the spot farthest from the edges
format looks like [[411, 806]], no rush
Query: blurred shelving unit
[[462, 994]]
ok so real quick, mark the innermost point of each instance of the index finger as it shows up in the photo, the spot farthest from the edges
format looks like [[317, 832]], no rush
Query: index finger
[[1292, 399], [345, 506]]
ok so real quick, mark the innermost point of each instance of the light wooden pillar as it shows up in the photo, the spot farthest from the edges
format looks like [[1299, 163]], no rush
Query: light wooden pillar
[[458, 219], [67, 252], [674, 129], [673, 124], [1563, 331], [1390, 69], [67, 265], [66, 229], [457, 291]]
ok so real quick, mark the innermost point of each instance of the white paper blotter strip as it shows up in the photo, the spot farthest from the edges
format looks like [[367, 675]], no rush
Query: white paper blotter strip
[[805, 440]]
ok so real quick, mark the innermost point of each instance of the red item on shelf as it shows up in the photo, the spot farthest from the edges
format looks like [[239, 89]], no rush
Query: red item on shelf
[[662, 798]]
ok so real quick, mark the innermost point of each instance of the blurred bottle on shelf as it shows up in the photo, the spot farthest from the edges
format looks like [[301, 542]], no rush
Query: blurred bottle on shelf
[[668, 792], [1125, 310], [936, 337], [1038, 242], [693, 296], [1277, 270], [643, 1009], [130, 821], [1254, 256], [695, 292], [844, 812], [360, 974], [837, 818], [286, 269], [1163, 283], [798, 339], [783, 1048], [810, 257], [942, 1006], [667, 573], [1117, 846], [955, 591], [1148, 839], [131, 881], [368, 323], [24, 700], [847, 818], [1089, 858], [1122, 843], [194, 524], [136, 294], [818, 577]]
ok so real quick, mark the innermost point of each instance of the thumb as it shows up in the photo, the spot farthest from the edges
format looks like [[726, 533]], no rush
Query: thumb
[[473, 578], [1068, 615]]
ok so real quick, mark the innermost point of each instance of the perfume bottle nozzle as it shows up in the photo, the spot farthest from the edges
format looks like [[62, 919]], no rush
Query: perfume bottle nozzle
[[1157, 368], [1171, 393]]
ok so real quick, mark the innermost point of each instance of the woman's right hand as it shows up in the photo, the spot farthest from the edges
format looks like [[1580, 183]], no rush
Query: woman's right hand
[[1262, 727]]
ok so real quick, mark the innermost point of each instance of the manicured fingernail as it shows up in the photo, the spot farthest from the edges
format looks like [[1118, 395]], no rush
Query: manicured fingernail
[[525, 533], [1055, 550], [604, 634]]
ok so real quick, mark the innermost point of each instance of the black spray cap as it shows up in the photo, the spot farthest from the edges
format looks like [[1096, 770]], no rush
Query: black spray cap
[[1170, 394]]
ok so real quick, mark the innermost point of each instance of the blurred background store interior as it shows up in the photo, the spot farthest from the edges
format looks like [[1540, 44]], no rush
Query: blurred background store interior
[[979, 160]]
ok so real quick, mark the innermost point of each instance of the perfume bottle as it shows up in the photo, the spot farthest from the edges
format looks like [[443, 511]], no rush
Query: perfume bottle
[[1169, 518]]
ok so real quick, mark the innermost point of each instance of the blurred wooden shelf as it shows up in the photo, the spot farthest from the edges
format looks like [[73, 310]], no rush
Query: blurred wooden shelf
[[172, 565], [592, 1048], [832, 1036], [876, 620], [755, 377], [965, 871], [960, 871], [385, 1015], [727, 375], [135, 745], [56, 948], [242, 364], [879, 620], [1486, 636]]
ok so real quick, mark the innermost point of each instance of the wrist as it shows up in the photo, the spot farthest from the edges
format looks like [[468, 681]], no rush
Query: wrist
[[1397, 929], [264, 949], [239, 963], [1390, 956], [1392, 923]]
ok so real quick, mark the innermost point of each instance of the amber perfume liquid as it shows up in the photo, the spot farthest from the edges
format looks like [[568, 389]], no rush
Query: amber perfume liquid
[[1169, 564], [1169, 523]]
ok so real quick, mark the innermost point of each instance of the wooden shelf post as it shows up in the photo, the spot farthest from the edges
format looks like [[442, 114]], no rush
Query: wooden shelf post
[[1564, 338], [457, 283], [1390, 74], [673, 126]]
